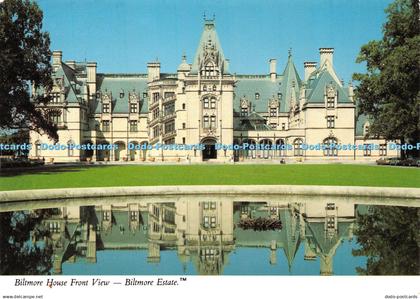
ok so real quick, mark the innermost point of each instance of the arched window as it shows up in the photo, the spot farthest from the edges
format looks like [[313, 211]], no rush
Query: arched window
[[297, 147], [330, 147], [70, 148], [206, 123], [209, 70]]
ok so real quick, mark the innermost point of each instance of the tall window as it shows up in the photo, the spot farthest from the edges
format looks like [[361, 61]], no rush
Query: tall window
[[273, 111], [297, 146], [105, 108], [105, 126], [244, 111], [209, 70], [70, 148], [56, 98], [283, 126], [155, 97], [330, 121], [155, 113], [213, 103], [133, 125], [133, 108], [55, 117], [206, 103], [156, 131], [382, 149], [330, 102], [169, 127], [367, 150], [213, 121], [206, 123], [330, 147]]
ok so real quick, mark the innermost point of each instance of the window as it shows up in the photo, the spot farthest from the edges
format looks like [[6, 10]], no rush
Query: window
[[105, 108], [330, 121], [273, 125], [106, 216], [169, 127], [214, 87], [54, 227], [121, 94], [273, 111], [367, 150], [183, 106], [331, 222], [155, 113], [183, 125], [206, 122], [56, 98], [204, 87], [330, 148], [133, 216], [169, 108], [257, 96], [206, 103], [283, 126], [382, 149], [279, 96], [105, 126], [144, 95], [330, 102], [209, 70], [169, 94], [55, 117], [37, 149], [133, 125], [155, 97], [156, 131], [297, 146], [244, 111], [70, 148], [206, 221], [183, 140], [330, 206], [213, 103], [133, 108], [213, 222], [213, 121], [366, 129]]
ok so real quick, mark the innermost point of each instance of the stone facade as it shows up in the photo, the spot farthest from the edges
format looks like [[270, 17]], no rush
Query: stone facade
[[205, 103]]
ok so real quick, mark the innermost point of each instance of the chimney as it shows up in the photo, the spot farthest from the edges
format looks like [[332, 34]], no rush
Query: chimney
[[309, 67], [153, 71], [326, 54], [273, 69], [56, 58], [226, 66], [91, 78], [71, 64]]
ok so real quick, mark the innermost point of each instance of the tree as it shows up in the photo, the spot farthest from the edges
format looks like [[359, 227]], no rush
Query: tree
[[389, 92], [18, 254], [24, 61], [390, 238]]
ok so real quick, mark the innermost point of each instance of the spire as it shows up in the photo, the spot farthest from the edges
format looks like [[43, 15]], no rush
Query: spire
[[291, 82], [209, 48]]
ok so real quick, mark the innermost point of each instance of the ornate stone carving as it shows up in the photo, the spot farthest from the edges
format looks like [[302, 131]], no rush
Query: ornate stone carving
[[331, 92]]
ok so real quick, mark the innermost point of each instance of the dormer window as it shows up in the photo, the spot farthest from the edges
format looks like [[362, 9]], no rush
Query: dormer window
[[214, 87], [144, 95], [330, 102], [279, 96], [121, 94], [105, 108], [244, 111], [257, 96], [98, 94], [273, 111]]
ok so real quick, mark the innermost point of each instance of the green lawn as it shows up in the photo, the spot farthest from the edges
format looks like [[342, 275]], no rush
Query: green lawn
[[137, 175]]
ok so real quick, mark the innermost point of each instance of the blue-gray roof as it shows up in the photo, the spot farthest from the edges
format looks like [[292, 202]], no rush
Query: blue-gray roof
[[315, 89], [126, 83]]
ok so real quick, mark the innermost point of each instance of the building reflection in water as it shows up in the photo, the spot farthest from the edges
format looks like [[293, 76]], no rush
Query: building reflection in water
[[202, 232]]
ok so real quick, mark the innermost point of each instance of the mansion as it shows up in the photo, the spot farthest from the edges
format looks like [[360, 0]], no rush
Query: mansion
[[205, 103]]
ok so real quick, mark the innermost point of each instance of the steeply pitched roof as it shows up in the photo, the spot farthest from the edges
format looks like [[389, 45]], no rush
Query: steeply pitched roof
[[125, 83], [209, 39], [290, 85], [315, 89]]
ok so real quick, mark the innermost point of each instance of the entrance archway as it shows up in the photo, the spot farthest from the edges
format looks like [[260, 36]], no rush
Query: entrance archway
[[209, 151]]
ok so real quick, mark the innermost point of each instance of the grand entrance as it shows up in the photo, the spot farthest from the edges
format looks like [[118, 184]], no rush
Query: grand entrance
[[209, 151]]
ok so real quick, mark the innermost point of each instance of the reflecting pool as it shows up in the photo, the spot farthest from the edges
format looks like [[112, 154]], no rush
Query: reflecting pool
[[211, 235]]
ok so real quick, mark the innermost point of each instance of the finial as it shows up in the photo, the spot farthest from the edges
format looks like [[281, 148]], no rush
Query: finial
[[290, 52], [204, 16], [184, 57]]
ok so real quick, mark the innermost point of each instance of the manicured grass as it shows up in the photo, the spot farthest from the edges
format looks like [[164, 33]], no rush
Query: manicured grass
[[138, 175]]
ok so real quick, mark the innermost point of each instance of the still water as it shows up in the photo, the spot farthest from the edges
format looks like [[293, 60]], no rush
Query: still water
[[201, 235]]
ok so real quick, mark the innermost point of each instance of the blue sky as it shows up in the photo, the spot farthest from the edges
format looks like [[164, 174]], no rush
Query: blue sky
[[122, 36]]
